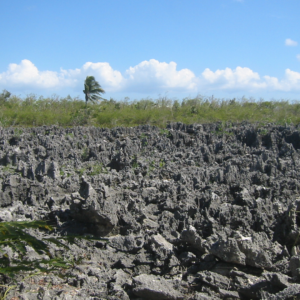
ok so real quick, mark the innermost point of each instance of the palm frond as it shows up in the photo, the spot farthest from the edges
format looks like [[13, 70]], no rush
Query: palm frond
[[14, 235], [92, 89]]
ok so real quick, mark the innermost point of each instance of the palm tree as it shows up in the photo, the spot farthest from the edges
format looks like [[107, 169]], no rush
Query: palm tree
[[92, 89]]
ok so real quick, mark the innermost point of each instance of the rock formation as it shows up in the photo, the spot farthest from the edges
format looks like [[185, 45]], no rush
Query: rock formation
[[202, 211]]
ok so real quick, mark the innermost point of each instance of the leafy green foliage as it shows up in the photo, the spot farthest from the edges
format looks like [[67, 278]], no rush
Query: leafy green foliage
[[162, 163], [33, 111], [97, 169], [85, 153], [14, 235], [4, 96], [92, 89]]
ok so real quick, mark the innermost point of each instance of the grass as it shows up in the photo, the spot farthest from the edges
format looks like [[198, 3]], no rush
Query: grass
[[33, 111]]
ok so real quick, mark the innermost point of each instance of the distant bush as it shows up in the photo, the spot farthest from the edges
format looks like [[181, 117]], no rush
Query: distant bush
[[33, 111]]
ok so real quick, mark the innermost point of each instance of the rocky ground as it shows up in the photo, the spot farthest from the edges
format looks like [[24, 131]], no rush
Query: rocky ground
[[194, 212]]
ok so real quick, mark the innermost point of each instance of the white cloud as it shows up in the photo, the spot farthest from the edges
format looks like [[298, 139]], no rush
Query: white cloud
[[104, 73], [154, 75], [298, 56], [289, 42], [27, 74], [147, 77], [290, 82], [228, 79]]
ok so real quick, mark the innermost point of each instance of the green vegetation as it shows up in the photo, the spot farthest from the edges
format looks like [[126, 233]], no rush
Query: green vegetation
[[92, 170], [97, 169], [92, 90], [71, 135], [66, 112], [15, 235], [85, 153], [165, 132], [162, 163]]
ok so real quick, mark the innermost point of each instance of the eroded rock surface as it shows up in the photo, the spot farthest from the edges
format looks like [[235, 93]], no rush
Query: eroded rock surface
[[202, 211]]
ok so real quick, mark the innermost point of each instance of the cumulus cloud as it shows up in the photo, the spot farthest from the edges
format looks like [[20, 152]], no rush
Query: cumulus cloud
[[147, 77], [228, 79], [154, 75], [290, 82], [27, 74], [289, 42], [104, 73]]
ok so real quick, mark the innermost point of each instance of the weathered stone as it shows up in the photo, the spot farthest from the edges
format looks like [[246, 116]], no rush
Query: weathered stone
[[128, 243], [196, 204], [154, 287]]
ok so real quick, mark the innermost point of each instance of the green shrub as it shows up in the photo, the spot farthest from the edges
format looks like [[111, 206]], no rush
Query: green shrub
[[34, 111]]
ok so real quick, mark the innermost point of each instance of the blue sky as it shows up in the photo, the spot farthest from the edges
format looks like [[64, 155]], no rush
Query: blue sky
[[140, 49]]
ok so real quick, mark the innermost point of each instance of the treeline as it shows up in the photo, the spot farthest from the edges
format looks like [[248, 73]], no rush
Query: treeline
[[37, 111]]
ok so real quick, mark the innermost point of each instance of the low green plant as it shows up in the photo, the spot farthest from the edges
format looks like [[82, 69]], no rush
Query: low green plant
[[8, 288], [66, 112], [163, 132], [97, 169], [144, 140], [15, 235], [9, 169], [223, 132], [134, 162], [85, 153], [263, 131], [162, 163], [80, 171], [17, 132], [70, 134], [151, 167]]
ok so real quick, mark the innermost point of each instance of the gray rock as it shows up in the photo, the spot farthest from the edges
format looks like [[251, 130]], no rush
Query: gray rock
[[128, 243], [197, 204], [154, 287], [90, 207], [295, 266], [160, 246]]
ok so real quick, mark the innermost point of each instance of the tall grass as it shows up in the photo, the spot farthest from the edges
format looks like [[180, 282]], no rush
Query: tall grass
[[33, 111]]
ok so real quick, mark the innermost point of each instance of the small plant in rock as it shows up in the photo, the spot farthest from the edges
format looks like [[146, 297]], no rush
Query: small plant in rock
[[162, 163], [97, 169], [85, 153], [9, 169], [80, 171], [151, 167], [144, 140], [18, 132], [263, 131], [70, 135], [163, 132], [134, 162]]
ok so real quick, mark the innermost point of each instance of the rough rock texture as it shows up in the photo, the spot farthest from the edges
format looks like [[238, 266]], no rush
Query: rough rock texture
[[203, 211]]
